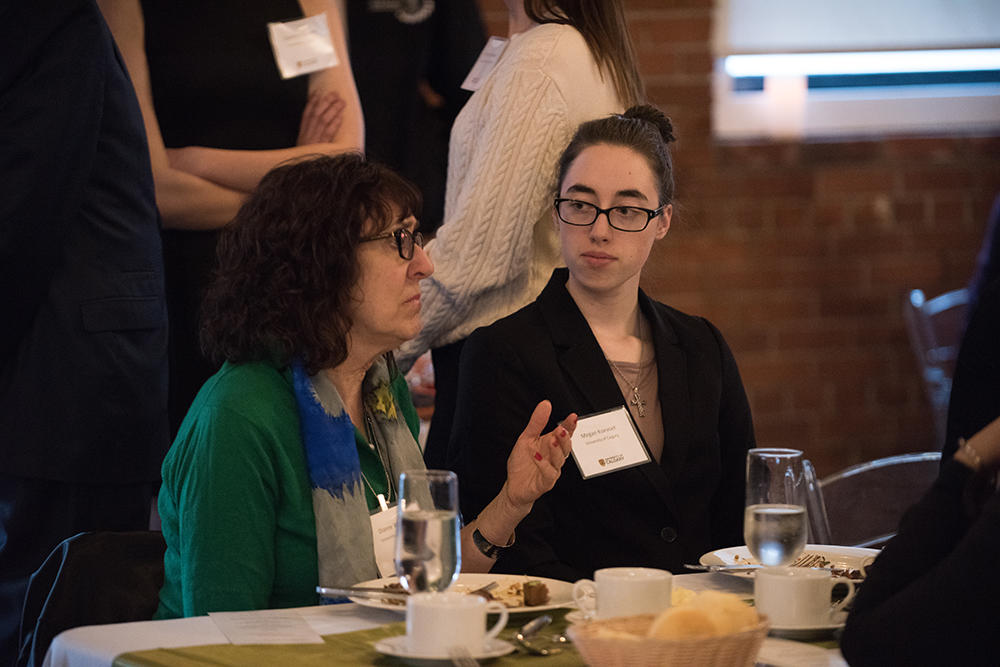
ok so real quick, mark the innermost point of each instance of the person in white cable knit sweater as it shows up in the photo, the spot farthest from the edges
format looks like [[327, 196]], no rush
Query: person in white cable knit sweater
[[563, 65]]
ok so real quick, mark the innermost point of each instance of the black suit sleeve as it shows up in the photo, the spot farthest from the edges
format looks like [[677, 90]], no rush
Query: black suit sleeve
[[975, 389], [736, 437], [51, 91], [495, 401], [932, 596]]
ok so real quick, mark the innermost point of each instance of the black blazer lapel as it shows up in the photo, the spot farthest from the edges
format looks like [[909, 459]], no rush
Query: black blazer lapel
[[583, 362]]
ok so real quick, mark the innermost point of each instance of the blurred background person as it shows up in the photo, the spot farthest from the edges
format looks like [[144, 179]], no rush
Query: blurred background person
[[565, 63], [297, 440], [218, 116], [83, 344], [409, 59], [593, 341]]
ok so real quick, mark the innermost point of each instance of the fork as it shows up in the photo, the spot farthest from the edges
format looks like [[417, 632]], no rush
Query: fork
[[484, 589]]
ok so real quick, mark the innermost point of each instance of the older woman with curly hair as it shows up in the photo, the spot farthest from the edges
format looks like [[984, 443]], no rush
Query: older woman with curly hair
[[288, 449]]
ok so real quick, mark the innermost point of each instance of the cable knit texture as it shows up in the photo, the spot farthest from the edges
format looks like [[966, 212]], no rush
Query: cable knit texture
[[498, 245]]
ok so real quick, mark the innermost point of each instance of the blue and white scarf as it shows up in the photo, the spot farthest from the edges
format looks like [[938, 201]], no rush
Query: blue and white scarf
[[345, 550]]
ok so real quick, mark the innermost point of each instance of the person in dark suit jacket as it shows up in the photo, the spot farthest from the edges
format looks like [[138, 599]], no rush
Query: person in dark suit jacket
[[83, 335], [593, 341]]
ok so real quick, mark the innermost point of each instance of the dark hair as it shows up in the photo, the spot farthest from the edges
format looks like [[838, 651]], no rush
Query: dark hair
[[602, 24], [644, 128], [287, 263]]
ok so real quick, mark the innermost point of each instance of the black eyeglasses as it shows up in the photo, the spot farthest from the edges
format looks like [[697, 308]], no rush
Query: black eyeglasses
[[622, 218], [405, 241]]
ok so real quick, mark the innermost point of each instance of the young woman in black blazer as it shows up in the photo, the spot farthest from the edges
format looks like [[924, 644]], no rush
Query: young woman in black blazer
[[592, 341]]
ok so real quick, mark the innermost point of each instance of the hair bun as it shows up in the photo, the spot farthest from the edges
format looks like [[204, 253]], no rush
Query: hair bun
[[655, 117]]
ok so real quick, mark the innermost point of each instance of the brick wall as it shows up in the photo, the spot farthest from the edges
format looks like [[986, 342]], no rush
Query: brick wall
[[801, 253]]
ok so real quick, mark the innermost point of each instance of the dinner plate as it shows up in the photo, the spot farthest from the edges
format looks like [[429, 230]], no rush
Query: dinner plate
[[396, 647], [560, 592], [855, 558]]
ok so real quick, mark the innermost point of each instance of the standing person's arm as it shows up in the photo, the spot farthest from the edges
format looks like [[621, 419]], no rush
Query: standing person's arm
[[932, 596], [485, 242], [203, 188], [333, 104], [184, 200]]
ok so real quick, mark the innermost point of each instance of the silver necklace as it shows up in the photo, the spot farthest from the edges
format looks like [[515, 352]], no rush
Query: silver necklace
[[636, 401]]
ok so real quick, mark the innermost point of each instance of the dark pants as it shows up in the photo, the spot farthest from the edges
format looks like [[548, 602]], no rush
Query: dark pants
[[36, 515], [445, 360]]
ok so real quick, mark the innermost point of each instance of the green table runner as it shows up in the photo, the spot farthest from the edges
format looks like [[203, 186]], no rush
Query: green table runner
[[349, 648]]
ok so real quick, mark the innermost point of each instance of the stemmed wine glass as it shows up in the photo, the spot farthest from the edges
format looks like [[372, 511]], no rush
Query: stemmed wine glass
[[427, 554], [774, 523]]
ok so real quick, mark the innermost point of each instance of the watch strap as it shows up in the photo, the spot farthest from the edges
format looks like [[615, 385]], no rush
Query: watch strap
[[486, 547]]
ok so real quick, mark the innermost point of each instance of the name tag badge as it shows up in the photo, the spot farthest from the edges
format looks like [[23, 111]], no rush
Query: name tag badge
[[485, 63], [384, 537], [302, 46], [606, 442]]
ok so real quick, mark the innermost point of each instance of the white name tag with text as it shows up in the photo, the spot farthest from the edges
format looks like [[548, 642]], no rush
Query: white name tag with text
[[302, 46], [485, 63], [606, 442], [384, 538]]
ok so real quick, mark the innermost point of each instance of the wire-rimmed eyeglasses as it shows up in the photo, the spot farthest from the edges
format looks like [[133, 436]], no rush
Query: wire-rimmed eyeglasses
[[405, 241], [622, 218]]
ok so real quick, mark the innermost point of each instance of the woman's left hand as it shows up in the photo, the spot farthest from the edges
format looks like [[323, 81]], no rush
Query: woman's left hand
[[535, 463]]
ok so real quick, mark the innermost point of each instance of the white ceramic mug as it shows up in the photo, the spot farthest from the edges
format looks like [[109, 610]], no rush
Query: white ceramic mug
[[624, 591], [439, 622], [798, 597]]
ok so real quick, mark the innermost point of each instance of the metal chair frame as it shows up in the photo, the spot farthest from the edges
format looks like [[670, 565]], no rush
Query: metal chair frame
[[935, 327], [861, 505]]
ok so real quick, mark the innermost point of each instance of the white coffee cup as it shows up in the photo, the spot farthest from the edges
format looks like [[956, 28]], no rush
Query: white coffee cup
[[798, 597], [624, 591], [439, 622]]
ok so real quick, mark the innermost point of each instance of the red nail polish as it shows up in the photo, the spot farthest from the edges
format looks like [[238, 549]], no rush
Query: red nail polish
[[538, 457]]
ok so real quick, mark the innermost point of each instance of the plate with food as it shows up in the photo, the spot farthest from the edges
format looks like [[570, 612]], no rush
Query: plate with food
[[849, 562], [542, 594]]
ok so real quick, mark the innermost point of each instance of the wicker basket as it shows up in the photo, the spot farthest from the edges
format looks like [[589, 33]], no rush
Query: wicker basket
[[734, 650]]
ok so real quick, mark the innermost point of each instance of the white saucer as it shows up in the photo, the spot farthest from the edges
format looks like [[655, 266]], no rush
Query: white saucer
[[809, 632], [396, 647]]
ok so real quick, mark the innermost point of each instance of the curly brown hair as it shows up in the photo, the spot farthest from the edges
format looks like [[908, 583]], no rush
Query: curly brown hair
[[287, 263]]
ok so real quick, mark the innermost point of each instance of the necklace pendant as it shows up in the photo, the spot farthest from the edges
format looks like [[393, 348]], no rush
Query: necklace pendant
[[637, 401]]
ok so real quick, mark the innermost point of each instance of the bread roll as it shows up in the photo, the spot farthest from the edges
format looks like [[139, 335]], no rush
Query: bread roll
[[683, 623], [728, 611], [705, 614]]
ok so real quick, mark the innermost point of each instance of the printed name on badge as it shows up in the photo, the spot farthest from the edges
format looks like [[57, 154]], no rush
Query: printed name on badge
[[384, 538], [606, 442], [485, 63], [302, 46]]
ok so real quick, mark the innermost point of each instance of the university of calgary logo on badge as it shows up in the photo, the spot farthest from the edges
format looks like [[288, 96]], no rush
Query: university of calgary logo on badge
[[601, 461]]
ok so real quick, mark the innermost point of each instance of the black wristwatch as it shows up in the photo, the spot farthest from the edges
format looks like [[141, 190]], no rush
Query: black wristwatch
[[486, 547]]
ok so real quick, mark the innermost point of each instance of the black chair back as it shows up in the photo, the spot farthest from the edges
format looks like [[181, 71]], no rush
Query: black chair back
[[90, 579]]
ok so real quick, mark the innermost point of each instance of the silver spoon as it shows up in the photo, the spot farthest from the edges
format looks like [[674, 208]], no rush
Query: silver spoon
[[532, 628]]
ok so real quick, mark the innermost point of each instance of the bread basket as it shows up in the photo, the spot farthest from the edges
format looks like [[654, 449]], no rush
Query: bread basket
[[600, 648]]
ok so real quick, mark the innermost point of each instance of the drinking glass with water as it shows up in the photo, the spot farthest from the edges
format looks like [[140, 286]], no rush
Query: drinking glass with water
[[774, 523], [427, 553]]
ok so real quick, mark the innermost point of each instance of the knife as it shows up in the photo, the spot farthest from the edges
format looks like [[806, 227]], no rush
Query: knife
[[362, 592], [723, 568]]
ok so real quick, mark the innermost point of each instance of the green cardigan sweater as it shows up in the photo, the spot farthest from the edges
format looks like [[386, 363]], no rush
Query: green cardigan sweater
[[236, 503]]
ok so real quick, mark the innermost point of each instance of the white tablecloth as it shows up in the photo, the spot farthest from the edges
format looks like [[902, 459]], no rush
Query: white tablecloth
[[97, 645]]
